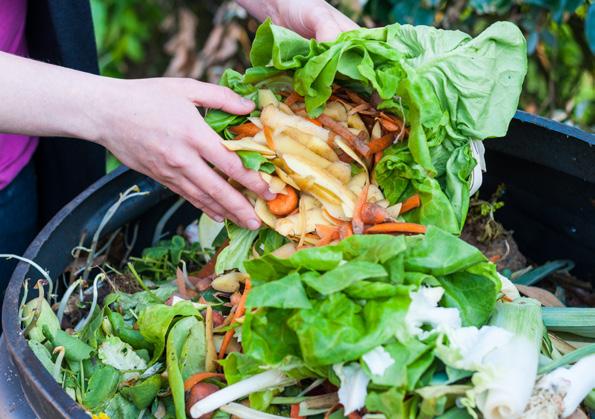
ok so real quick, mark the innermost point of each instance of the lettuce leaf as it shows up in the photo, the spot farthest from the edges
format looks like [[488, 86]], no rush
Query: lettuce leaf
[[450, 88]]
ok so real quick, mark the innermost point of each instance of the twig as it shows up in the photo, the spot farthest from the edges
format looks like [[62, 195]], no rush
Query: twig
[[164, 219], [43, 272], [131, 192]]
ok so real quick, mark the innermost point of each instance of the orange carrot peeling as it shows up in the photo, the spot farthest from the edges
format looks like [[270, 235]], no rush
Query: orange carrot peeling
[[284, 203], [410, 203], [236, 315], [411, 228], [268, 135], [293, 98], [374, 214], [315, 121], [326, 233], [295, 411], [357, 222], [197, 378], [379, 144], [247, 129]]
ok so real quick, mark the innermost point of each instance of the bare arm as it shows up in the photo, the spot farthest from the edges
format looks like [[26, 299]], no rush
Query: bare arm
[[151, 125], [310, 18]]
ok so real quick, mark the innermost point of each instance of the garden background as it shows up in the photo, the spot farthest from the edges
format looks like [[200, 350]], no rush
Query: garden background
[[199, 39]]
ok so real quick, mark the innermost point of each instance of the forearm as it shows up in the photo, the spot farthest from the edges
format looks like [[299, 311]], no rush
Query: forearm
[[46, 100]]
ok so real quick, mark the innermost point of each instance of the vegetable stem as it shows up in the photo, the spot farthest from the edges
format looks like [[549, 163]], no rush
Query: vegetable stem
[[259, 382]]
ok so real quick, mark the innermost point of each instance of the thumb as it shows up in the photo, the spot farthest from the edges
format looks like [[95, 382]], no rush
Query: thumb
[[213, 96]]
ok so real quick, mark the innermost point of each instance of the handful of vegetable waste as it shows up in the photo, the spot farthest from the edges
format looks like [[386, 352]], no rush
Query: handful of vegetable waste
[[310, 316], [377, 128]]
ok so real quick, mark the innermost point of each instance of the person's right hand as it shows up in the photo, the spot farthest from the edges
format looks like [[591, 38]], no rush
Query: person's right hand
[[153, 126]]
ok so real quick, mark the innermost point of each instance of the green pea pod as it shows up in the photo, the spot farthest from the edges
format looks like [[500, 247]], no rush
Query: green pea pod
[[101, 387], [143, 393], [75, 349], [127, 333]]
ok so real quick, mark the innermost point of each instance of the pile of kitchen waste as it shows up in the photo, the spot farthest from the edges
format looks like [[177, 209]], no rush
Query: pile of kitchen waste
[[357, 298]]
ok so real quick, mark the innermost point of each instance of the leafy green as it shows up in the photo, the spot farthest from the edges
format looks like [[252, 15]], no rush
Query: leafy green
[[75, 349], [287, 292], [338, 329], [439, 253], [143, 393], [120, 355], [101, 387], [119, 408], [389, 402], [46, 318], [255, 161], [155, 320], [42, 354], [344, 275], [185, 356], [234, 255], [473, 294]]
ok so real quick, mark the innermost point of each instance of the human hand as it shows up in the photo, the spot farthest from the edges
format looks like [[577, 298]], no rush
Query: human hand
[[153, 126], [310, 18]]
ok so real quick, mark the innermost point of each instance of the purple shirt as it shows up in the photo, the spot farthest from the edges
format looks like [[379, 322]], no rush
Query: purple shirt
[[15, 150]]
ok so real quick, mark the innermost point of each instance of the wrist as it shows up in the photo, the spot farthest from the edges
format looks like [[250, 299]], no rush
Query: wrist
[[100, 114]]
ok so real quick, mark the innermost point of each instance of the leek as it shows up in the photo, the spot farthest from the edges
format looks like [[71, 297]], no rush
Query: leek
[[505, 381], [561, 391], [579, 321]]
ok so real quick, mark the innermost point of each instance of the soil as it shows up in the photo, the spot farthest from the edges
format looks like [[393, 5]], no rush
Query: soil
[[503, 249]]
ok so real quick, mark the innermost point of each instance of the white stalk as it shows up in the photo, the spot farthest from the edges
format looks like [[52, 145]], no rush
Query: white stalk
[[505, 382], [239, 390], [354, 386], [569, 386]]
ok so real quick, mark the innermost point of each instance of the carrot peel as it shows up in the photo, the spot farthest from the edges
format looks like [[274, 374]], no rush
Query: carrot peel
[[410, 228], [236, 315], [199, 377], [410, 203], [284, 203], [357, 222]]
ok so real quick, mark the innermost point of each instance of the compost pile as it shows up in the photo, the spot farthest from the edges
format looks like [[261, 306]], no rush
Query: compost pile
[[357, 298]]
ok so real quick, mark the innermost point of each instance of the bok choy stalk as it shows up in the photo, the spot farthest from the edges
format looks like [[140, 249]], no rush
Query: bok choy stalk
[[239, 390], [505, 381], [560, 392]]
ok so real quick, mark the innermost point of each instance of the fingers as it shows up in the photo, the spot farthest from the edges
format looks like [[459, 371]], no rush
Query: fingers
[[219, 194], [219, 97], [330, 23], [229, 163]]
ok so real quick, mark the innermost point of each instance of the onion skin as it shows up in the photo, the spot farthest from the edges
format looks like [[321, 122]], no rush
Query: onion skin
[[198, 392]]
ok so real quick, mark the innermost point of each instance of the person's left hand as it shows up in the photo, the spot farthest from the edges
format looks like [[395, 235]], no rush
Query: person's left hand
[[310, 18]]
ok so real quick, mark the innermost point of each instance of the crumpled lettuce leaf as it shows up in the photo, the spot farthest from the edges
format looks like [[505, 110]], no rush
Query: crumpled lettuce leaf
[[120, 355], [234, 255], [333, 304], [155, 320]]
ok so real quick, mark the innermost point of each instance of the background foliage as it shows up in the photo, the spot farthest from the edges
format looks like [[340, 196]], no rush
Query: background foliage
[[189, 38]]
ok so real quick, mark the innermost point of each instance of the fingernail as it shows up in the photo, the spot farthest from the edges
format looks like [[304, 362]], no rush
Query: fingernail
[[218, 218], [269, 195], [246, 102], [253, 224]]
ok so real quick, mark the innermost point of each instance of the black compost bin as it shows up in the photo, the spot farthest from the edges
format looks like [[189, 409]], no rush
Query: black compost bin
[[549, 170]]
